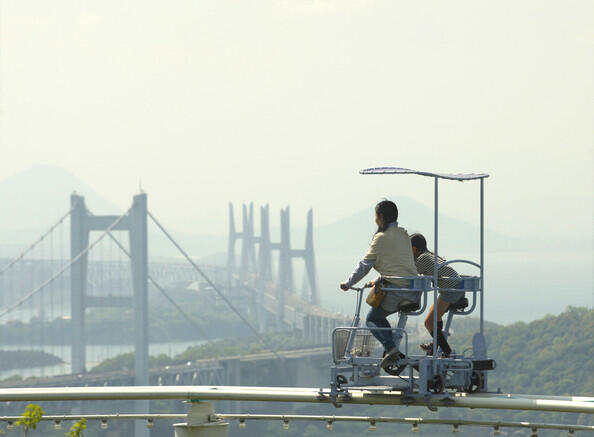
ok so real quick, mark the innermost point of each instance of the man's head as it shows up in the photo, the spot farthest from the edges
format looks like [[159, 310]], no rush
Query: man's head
[[418, 243]]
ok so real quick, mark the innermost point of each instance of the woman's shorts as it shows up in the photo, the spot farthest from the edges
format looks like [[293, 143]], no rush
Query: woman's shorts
[[451, 296]]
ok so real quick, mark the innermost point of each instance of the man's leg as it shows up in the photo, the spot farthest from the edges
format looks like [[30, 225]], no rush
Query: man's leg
[[377, 318]]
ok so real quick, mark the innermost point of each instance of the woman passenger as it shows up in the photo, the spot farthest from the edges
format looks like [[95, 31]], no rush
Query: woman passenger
[[390, 254], [425, 262]]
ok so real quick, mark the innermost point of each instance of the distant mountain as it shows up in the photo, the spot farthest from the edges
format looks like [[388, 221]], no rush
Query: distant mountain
[[36, 197], [455, 236]]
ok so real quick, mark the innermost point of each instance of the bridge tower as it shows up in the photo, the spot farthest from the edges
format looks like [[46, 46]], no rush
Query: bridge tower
[[310, 263], [264, 247], [261, 266], [249, 265], [135, 222], [248, 250], [287, 254]]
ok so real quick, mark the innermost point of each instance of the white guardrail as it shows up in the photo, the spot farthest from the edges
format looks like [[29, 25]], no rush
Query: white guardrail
[[202, 420]]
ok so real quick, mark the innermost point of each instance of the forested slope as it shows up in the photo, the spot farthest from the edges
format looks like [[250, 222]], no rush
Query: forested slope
[[550, 356]]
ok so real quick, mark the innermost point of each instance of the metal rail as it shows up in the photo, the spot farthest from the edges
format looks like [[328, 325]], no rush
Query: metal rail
[[112, 416], [285, 418], [569, 404], [412, 420]]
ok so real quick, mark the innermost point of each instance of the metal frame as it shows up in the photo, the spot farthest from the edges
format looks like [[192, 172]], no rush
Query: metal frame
[[330, 420], [364, 370], [434, 373]]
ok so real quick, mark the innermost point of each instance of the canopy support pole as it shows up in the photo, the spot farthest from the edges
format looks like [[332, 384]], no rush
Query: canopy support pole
[[435, 269]]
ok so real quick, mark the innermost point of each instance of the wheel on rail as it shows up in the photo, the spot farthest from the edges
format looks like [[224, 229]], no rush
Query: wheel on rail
[[396, 368], [476, 382], [437, 384], [340, 380]]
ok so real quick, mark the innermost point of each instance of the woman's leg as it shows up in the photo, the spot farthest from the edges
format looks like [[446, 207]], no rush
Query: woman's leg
[[377, 318], [442, 307]]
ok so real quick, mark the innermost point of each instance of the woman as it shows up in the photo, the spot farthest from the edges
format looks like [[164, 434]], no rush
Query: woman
[[425, 262], [390, 254]]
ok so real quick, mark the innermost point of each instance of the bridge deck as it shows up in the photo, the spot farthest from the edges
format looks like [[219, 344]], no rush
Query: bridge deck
[[126, 377]]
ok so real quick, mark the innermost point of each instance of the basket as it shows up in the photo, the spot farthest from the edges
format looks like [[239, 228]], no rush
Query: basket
[[363, 344]]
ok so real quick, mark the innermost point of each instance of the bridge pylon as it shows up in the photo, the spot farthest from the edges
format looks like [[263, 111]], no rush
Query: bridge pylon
[[135, 223], [287, 254], [260, 268], [264, 247], [246, 235]]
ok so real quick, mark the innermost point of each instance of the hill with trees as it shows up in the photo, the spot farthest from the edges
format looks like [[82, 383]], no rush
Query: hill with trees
[[549, 356]]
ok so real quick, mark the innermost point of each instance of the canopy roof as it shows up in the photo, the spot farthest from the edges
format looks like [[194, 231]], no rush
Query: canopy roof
[[399, 170]]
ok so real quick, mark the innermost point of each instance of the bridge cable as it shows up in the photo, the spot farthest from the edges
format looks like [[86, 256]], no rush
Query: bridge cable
[[32, 246], [214, 287], [72, 261], [154, 282]]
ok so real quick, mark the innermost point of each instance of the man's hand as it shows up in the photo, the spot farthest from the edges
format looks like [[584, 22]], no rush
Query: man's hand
[[343, 286]]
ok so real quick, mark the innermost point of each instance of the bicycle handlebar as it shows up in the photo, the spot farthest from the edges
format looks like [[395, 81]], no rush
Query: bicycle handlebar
[[366, 285]]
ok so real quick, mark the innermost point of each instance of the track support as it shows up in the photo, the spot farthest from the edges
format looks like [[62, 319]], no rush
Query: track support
[[201, 422]]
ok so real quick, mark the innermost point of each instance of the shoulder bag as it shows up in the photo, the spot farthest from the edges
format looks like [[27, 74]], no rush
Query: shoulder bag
[[376, 294]]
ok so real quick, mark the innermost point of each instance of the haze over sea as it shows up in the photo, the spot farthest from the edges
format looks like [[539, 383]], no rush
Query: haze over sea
[[283, 101], [525, 277]]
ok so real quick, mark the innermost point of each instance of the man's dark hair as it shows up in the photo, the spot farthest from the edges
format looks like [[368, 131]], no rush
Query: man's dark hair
[[418, 241], [389, 211]]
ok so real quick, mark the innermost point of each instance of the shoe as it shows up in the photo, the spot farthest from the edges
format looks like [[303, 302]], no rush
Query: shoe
[[427, 347], [390, 357], [389, 361]]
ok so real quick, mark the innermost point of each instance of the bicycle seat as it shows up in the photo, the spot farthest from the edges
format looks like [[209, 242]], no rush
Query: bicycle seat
[[460, 304], [409, 307]]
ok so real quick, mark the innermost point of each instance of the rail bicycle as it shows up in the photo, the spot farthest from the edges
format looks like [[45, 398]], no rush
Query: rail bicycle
[[357, 354]]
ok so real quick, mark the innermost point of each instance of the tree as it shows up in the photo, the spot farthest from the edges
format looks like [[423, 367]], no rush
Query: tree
[[30, 418], [76, 430]]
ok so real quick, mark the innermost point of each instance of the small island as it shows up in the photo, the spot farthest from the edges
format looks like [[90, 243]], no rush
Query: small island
[[10, 360]]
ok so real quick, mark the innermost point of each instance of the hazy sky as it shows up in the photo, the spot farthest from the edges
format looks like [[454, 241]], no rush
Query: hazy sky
[[284, 101]]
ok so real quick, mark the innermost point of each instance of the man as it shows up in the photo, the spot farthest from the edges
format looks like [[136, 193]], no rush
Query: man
[[390, 255], [425, 263]]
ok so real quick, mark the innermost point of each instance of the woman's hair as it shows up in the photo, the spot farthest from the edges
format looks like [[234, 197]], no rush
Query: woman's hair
[[389, 211], [418, 241]]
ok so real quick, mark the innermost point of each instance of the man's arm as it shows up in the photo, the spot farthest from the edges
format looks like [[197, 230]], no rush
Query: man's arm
[[365, 264], [359, 273]]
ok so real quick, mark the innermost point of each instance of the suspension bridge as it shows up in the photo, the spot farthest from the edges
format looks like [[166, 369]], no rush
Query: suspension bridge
[[87, 264]]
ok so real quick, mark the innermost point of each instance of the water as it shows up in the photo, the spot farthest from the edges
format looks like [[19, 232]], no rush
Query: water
[[519, 286], [95, 355]]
